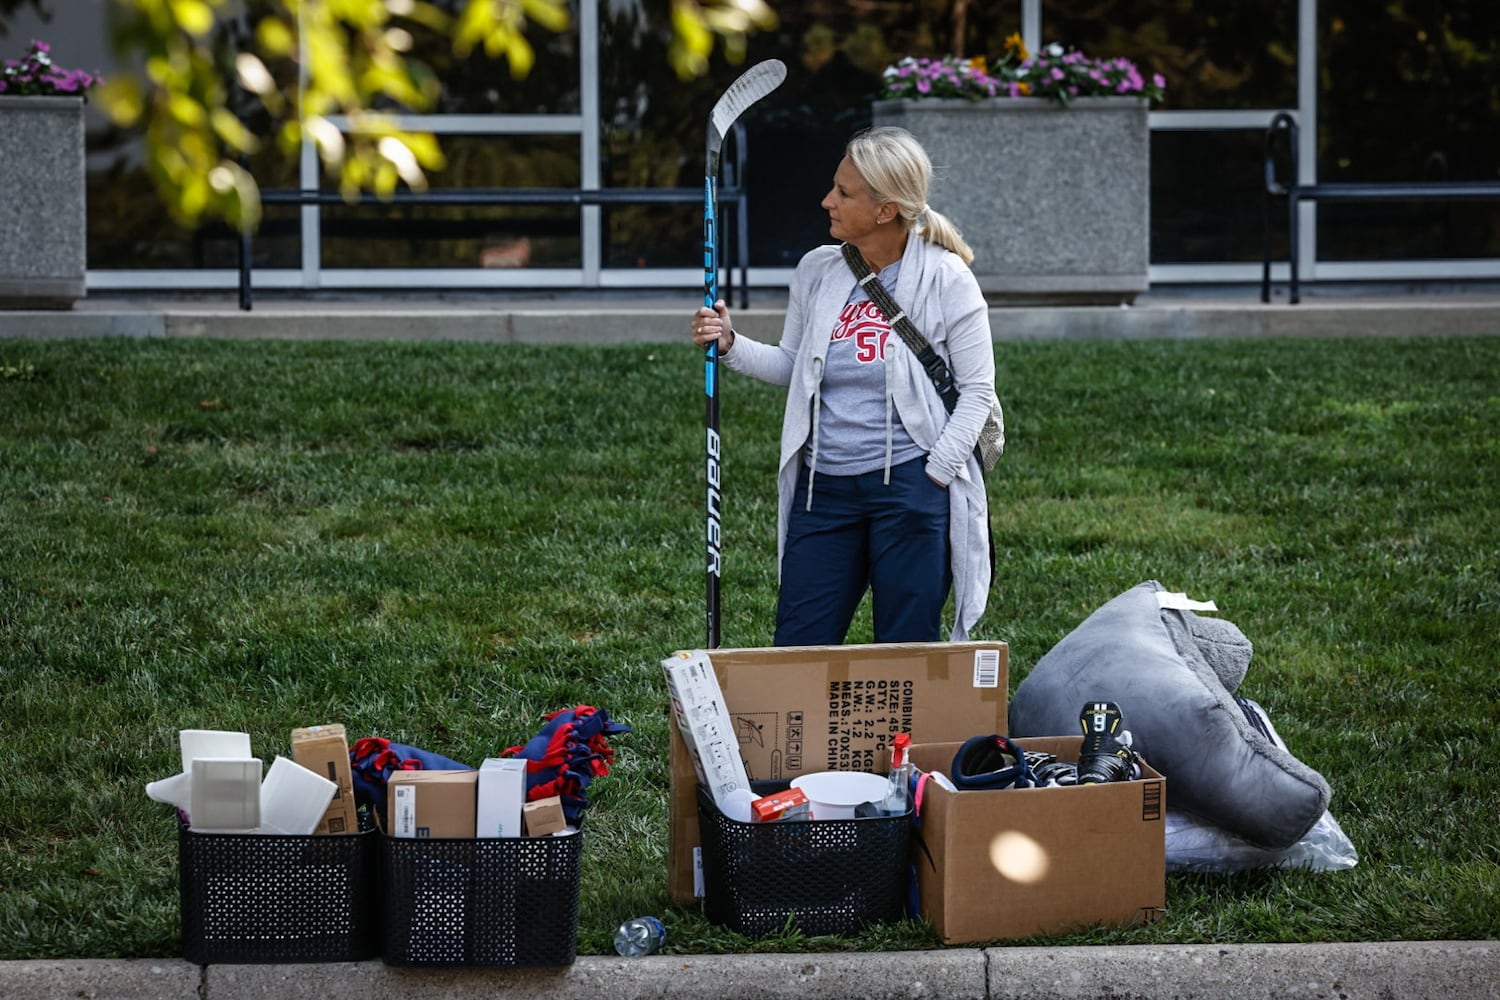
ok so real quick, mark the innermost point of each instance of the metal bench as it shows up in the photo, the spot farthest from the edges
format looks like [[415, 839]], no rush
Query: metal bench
[[1281, 146], [731, 194]]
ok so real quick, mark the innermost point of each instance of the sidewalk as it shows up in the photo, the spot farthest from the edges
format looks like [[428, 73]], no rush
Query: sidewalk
[[626, 317], [1469, 969]]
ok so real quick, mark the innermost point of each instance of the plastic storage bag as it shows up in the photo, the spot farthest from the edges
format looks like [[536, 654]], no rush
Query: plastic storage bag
[[1193, 844]]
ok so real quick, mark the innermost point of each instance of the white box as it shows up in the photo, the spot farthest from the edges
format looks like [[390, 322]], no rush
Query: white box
[[293, 799], [226, 794], [502, 793], [704, 722], [219, 743]]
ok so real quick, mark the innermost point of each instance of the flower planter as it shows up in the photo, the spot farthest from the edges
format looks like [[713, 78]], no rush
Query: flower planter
[[42, 211], [1055, 200]]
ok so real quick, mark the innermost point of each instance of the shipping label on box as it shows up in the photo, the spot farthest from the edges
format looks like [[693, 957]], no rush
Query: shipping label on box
[[431, 803], [324, 750], [798, 710], [1008, 863]]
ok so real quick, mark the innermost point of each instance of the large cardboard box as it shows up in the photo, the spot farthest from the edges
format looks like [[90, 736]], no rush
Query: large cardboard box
[[324, 750], [800, 709], [1010, 863], [432, 803]]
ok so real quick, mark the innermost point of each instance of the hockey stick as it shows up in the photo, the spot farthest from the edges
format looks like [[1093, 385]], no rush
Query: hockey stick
[[755, 83]]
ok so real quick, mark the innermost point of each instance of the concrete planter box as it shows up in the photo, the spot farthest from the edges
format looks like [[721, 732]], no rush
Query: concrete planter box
[[43, 221], [1054, 200]]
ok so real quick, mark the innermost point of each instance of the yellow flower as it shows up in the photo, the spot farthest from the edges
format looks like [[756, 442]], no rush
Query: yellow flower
[[1015, 44], [1024, 88], [979, 64]]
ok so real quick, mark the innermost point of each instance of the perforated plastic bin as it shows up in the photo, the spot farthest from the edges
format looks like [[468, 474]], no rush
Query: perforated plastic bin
[[250, 898], [828, 876], [505, 901]]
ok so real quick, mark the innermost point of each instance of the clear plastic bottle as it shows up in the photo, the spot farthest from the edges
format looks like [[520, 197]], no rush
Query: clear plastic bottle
[[641, 936], [897, 796]]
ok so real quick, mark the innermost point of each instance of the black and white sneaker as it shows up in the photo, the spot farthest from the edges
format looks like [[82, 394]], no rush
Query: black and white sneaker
[[1105, 755]]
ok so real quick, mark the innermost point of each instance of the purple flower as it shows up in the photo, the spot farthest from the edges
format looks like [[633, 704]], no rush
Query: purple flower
[[1055, 72], [36, 75]]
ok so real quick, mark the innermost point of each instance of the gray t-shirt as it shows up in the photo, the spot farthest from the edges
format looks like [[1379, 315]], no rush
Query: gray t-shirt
[[852, 411]]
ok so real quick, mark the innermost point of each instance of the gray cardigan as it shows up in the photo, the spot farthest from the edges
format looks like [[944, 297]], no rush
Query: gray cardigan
[[939, 293]]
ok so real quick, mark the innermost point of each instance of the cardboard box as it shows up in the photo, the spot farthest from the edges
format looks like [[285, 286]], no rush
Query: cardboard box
[[324, 750], [800, 709], [1010, 863], [432, 803], [502, 792], [544, 817]]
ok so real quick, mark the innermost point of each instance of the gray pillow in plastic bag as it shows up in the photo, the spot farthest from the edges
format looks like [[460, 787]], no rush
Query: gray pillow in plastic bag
[[1173, 674]]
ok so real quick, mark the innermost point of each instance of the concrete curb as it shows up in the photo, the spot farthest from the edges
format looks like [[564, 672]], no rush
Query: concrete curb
[[1339, 971]]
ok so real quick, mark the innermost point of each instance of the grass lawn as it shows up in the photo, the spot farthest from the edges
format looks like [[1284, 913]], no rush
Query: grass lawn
[[441, 543]]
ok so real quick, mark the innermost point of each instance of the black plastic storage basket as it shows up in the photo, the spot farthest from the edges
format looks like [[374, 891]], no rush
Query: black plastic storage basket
[[490, 901], [250, 898], [829, 876]]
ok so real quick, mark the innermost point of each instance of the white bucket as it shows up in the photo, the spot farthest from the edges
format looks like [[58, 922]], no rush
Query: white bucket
[[836, 794]]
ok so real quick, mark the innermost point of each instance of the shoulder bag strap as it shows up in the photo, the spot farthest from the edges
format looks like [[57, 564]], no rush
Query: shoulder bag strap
[[936, 368]]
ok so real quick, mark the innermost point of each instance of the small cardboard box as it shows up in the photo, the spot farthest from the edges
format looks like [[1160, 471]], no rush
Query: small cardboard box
[[1010, 863], [432, 803], [502, 792], [800, 709], [544, 817], [324, 750], [788, 805]]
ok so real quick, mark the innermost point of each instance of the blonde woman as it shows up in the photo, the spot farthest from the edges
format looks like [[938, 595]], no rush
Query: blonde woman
[[879, 488]]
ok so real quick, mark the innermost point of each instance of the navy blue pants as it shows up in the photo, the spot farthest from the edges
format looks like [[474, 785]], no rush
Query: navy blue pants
[[864, 534]]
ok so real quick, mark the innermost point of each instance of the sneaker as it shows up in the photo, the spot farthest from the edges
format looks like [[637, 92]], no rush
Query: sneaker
[[1105, 755]]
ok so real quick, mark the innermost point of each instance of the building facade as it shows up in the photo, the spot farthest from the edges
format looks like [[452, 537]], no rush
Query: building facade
[[1409, 89]]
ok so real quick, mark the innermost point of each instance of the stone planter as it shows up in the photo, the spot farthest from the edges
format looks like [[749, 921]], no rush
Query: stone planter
[[42, 202], [1054, 200]]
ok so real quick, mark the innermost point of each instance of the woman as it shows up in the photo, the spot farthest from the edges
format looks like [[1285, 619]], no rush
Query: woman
[[879, 488]]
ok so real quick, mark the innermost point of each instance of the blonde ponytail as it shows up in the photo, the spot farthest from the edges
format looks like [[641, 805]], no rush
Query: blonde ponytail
[[935, 227]]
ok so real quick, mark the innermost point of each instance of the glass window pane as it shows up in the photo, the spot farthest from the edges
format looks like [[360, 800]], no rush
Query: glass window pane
[[130, 228], [1425, 110], [1213, 55], [466, 235], [1451, 230], [1206, 198], [835, 52], [478, 84]]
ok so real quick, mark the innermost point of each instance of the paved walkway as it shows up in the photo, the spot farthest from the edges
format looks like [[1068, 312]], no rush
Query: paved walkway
[[1377, 971], [624, 317]]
